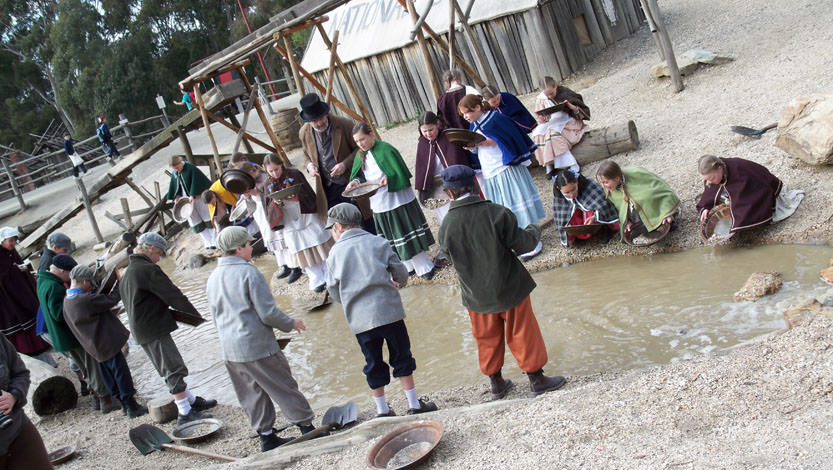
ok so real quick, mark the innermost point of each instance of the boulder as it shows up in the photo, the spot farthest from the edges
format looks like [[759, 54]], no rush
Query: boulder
[[805, 130], [804, 310], [689, 61], [758, 285]]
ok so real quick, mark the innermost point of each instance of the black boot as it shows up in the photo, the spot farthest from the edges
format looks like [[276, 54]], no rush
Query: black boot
[[500, 386], [284, 272], [271, 441], [540, 383], [294, 275], [108, 404], [85, 390], [133, 408], [201, 404]]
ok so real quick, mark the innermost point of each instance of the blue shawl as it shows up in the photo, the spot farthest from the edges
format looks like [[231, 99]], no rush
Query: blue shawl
[[512, 107], [516, 146]]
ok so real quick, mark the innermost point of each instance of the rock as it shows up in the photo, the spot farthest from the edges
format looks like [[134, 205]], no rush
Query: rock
[[689, 61], [758, 285], [805, 130], [685, 65], [162, 409], [197, 261], [804, 310]]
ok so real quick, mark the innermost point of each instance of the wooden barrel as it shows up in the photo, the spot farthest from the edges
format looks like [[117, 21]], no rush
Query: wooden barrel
[[286, 125]]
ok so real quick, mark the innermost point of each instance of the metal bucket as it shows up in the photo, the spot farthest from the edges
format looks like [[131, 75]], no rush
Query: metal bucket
[[286, 125]]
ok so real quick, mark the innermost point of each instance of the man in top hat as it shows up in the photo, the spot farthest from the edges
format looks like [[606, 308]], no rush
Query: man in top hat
[[245, 315], [149, 295], [329, 150], [482, 239]]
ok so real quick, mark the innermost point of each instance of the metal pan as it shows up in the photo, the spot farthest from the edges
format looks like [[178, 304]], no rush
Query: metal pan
[[237, 181], [109, 281], [285, 192], [649, 238], [463, 137], [61, 455], [718, 224], [553, 109], [183, 208], [366, 189], [196, 431], [590, 229]]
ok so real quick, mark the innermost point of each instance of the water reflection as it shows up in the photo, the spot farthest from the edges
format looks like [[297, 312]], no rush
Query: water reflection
[[612, 314]]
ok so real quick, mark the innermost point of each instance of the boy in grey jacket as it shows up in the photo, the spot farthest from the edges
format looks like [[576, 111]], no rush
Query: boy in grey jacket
[[359, 272]]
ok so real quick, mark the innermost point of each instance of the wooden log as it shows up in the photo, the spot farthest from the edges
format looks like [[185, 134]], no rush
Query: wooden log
[[88, 206], [162, 409], [598, 144], [293, 65], [331, 70], [218, 164], [49, 391]]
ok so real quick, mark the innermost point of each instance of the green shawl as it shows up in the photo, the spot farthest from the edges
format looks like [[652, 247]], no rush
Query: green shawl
[[195, 182], [389, 161], [651, 196]]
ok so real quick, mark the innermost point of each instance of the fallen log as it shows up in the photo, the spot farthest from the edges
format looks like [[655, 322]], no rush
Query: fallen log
[[598, 144], [49, 391]]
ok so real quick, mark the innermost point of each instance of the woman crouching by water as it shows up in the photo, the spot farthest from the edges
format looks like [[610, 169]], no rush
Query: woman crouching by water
[[303, 232], [581, 201], [754, 195], [396, 212], [643, 199], [504, 156]]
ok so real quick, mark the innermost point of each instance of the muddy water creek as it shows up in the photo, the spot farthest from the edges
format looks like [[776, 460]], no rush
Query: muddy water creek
[[611, 314]]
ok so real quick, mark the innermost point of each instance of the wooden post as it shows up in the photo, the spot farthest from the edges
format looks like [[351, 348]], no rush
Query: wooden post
[[252, 99], [479, 55], [426, 56], [349, 82], [186, 146], [290, 55], [332, 69], [217, 161], [125, 207], [158, 192], [667, 49], [138, 190], [15, 189], [126, 128], [236, 123], [289, 83], [89, 208], [265, 121], [451, 32]]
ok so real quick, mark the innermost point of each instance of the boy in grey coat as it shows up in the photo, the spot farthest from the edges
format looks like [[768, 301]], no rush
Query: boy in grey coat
[[359, 272]]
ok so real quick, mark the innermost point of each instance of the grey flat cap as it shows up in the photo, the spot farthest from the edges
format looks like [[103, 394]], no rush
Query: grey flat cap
[[82, 272], [345, 214], [153, 239], [59, 240]]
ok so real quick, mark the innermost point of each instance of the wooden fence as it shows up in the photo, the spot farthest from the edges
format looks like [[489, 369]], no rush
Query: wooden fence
[[32, 171], [557, 38]]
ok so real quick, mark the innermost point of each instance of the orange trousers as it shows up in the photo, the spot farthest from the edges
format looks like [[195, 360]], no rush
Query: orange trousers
[[516, 327]]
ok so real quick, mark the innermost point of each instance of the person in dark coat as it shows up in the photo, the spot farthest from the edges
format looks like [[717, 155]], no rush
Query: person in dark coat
[[149, 295], [508, 104], [448, 101], [482, 239], [19, 305], [755, 196], [56, 243], [100, 332], [21, 445], [106, 139]]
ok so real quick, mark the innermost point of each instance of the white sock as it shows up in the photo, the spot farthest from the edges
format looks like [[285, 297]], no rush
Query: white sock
[[381, 405], [190, 396], [183, 406], [413, 401]]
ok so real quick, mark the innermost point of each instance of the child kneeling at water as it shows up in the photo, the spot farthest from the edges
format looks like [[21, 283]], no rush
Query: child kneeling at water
[[360, 267]]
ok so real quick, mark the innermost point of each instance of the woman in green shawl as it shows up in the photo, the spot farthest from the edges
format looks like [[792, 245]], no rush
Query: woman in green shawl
[[643, 199]]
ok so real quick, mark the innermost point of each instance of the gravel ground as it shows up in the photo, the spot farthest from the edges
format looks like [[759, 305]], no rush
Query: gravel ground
[[762, 405]]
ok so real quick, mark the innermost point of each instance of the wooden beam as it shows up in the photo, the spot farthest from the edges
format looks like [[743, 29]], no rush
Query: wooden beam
[[239, 138], [331, 70], [451, 32], [650, 7], [293, 65], [338, 104], [209, 76], [89, 208], [442, 45], [266, 124], [349, 82], [156, 189], [125, 207], [236, 123], [426, 56], [479, 55], [138, 190], [248, 136], [207, 125]]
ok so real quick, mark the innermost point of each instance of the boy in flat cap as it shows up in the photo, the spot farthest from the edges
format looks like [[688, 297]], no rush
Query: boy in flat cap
[[102, 335], [359, 272], [245, 315], [148, 295], [482, 239]]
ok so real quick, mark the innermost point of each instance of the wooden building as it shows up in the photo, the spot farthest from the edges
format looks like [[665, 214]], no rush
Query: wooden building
[[523, 40]]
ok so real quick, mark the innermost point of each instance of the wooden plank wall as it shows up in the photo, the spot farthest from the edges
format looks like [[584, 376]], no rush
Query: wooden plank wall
[[520, 49]]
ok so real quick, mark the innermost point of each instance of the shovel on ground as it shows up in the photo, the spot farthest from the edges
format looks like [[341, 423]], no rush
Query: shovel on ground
[[148, 438], [754, 133], [319, 304], [336, 417]]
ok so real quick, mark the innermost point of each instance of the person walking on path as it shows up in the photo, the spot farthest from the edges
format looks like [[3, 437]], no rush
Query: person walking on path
[[77, 161], [21, 446], [359, 272], [329, 151], [106, 139], [148, 296], [19, 306], [51, 293], [100, 332], [245, 316], [186, 100], [482, 240], [187, 181]]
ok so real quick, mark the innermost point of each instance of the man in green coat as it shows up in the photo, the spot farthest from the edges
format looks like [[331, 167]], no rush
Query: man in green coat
[[187, 181], [482, 240], [51, 293]]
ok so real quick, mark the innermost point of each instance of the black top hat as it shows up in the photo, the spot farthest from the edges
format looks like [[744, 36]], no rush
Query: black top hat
[[313, 108]]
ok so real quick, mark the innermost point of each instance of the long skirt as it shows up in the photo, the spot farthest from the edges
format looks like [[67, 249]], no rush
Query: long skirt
[[513, 188], [406, 229], [305, 236]]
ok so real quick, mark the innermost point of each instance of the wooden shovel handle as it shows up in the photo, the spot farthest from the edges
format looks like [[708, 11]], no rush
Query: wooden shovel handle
[[191, 450], [320, 430]]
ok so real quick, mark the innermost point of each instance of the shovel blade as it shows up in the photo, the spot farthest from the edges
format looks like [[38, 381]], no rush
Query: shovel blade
[[148, 438], [340, 416], [747, 131]]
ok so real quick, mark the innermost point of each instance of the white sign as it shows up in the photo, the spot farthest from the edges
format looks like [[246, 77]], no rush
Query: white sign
[[368, 27], [160, 102]]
